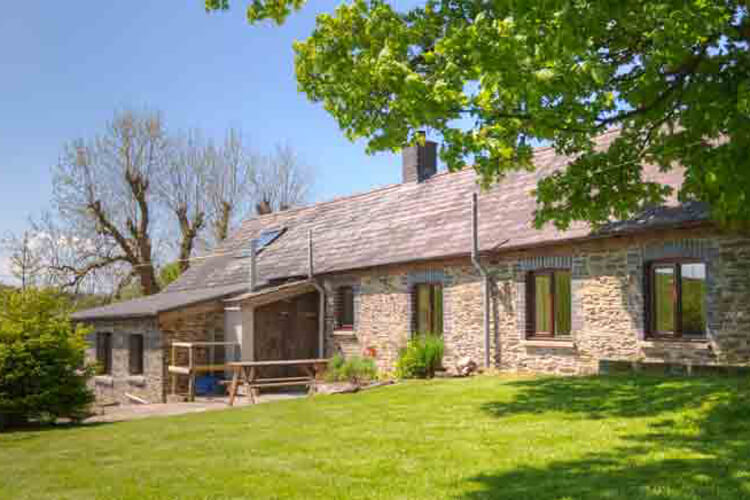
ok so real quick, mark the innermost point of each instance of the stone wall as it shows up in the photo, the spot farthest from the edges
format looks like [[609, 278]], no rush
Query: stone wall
[[381, 316], [113, 387], [197, 323], [607, 314], [608, 304], [383, 311]]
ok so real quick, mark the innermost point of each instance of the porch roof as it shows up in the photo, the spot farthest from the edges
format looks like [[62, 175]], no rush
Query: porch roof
[[274, 294]]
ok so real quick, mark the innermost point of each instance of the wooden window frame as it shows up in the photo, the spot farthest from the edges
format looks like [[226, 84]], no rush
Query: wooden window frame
[[136, 360], [531, 330], [415, 307], [676, 265], [104, 352], [340, 305]]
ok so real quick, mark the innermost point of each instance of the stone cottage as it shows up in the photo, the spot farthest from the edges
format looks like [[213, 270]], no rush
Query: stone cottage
[[362, 274]]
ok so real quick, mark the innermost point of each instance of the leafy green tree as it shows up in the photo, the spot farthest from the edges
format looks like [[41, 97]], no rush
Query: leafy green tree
[[43, 372], [493, 78]]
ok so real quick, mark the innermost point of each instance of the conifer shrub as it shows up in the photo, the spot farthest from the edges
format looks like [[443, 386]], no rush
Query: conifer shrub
[[43, 372]]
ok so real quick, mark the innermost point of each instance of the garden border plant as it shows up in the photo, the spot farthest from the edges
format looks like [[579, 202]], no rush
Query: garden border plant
[[355, 369], [422, 357]]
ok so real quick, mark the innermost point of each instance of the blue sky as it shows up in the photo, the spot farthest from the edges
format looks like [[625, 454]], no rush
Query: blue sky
[[66, 66]]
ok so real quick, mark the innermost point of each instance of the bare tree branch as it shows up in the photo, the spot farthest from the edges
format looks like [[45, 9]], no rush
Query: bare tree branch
[[183, 188], [26, 263], [282, 181], [232, 168], [102, 190]]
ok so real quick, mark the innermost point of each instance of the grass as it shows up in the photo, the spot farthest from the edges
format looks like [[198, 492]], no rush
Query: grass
[[487, 437]]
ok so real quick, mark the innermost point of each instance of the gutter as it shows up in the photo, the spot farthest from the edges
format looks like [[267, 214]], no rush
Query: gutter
[[321, 296], [485, 278]]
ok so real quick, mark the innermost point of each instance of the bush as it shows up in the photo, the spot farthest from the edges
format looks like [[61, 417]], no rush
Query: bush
[[422, 356], [355, 369], [43, 373]]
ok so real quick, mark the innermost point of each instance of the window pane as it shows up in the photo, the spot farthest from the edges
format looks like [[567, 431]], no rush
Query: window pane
[[266, 237], [136, 354], [347, 306], [693, 284], [543, 303], [437, 310], [562, 303], [423, 309], [104, 351], [664, 299]]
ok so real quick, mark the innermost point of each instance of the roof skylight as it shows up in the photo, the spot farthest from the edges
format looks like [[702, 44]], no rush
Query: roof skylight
[[267, 236]]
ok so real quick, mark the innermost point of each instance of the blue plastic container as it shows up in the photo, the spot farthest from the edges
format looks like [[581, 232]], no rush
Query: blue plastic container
[[206, 384]]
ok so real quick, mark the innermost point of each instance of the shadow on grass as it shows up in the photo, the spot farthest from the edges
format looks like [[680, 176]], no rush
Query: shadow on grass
[[701, 454], [37, 427], [616, 396]]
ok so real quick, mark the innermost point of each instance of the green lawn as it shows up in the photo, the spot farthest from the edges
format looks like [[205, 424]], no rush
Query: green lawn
[[487, 437]]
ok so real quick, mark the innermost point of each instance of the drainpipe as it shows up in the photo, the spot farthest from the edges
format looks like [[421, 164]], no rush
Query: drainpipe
[[485, 278], [321, 296], [247, 314]]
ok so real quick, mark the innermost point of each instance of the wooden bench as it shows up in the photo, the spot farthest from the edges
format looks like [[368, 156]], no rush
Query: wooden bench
[[248, 373]]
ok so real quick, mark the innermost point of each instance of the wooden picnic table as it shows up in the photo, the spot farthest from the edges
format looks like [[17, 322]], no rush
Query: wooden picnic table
[[248, 372]]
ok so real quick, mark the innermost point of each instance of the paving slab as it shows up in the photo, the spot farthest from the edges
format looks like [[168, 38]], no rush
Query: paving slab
[[124, 413]]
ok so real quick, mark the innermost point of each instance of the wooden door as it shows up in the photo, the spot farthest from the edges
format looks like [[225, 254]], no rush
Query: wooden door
[[303, 328], [287, 329]]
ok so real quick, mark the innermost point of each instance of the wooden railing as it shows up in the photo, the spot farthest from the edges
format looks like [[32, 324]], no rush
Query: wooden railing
[[192, 368]]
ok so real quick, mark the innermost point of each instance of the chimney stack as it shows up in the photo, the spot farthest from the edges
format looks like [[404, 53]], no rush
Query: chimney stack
[[419, 162], [263, 208]]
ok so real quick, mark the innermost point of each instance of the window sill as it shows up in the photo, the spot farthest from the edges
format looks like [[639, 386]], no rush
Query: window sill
[[106, 380], [344, 332], [137, 380], [561, 344], [697, 344]]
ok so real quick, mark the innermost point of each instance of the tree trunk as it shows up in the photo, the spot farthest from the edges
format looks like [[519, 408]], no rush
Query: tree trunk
[[146, 272], [147, 277], [222, 222], [186, 249], [189, 233]]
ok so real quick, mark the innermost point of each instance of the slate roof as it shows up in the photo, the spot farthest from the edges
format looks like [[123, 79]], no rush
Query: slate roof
[[408, 222], [161, 302]]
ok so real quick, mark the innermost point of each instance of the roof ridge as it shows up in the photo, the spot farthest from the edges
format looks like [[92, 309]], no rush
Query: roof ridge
[[352, 196], [539, 150]]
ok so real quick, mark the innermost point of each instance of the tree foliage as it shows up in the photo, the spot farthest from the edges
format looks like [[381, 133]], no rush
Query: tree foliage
[[493, 78], [169, 273], [43, 372]]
